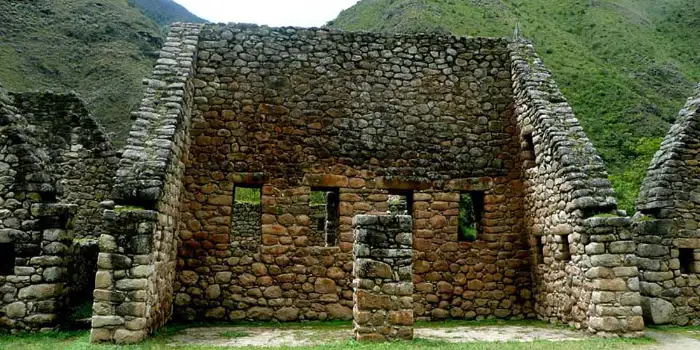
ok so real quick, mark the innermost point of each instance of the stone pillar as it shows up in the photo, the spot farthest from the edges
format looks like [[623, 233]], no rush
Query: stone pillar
[[125, 266], [611, 276], [383, 272]]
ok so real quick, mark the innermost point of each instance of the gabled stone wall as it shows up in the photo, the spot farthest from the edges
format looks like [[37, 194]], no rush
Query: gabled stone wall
[[36, 228], [81, 156], [582, 249], [134, 283], [667, 224]]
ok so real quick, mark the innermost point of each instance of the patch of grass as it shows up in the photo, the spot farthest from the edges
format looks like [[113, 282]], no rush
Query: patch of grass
[[688, 331], [234, 334], [247, 195]]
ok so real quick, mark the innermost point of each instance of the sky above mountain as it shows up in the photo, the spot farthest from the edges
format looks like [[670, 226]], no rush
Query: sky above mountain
[[275, 13]]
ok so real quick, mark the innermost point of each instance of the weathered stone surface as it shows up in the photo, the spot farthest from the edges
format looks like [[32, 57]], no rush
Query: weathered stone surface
[[657, 310]]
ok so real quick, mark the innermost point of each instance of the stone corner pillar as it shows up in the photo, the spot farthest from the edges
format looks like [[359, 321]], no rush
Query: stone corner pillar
[[382, 278]]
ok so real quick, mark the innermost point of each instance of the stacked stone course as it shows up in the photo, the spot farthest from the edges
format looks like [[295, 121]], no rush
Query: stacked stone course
[[382, 272]]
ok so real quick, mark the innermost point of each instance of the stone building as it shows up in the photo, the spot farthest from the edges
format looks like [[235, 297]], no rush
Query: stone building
[[283, 113], [666, 226], [56, 166]]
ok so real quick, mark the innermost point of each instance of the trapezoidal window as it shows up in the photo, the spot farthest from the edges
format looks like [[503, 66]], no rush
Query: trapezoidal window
[[325, 216], [245, 217], [687, 260], [540, 250], [471, 209], [564, 252], [7, 259], [400, 202], [528, 149]]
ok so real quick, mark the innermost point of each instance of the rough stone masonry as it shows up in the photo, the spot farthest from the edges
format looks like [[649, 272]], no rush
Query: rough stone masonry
[[366, 117]]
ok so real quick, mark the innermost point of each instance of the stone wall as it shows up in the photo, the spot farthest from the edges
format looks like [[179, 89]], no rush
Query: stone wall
[[583, 253], [382, 277], [133, 287], [667, 225], [35, 229], [365, 116], [245, 227], [82, 158], [368, 114]]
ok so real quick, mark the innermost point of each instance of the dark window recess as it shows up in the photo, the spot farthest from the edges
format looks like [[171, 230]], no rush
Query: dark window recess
[[400, 202], [529, 149], [564, 253], [7, 259], [687, 260], [540, 250], [471, 208], [329, 224]]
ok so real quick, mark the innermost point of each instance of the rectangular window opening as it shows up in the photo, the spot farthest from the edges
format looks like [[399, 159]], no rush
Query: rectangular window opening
[[687, 260], [7, 259], [564, 253], [400, 202], [471, 208], [529, 158], [325, 215], [246, 215], [540, 250]]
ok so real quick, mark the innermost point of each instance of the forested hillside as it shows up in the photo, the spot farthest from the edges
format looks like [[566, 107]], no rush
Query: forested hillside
[[626, 66], [102, 49]]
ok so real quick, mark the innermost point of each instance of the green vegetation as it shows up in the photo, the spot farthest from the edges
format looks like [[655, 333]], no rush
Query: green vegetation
[[317, 198], [467, 219], [101, 49], [247, 195], [165, 12], [626, 66], [234, 334]]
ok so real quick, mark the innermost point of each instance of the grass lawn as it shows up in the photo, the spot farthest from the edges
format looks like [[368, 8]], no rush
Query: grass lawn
[[80, 339]]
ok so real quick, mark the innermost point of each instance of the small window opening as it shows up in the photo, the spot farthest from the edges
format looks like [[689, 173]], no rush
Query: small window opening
[[471, 207], [687, 259], [246, 214], [7, 259], [564, 253], [324, 207], [540, 250], [400, 202], [529, 157]]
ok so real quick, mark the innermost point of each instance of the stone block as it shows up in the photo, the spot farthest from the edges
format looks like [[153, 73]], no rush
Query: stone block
[[657, 310]]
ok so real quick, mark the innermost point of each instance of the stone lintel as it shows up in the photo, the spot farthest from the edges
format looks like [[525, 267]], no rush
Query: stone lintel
[[470, 184], [690, 243], [325, 180], [399, 183], [247, 178]]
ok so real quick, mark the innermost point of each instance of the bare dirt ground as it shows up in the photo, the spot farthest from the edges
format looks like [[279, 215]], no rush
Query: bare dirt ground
[[247, 337]]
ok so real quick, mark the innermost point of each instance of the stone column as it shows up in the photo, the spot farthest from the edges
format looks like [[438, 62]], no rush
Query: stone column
[[125, 265], [383, 271]]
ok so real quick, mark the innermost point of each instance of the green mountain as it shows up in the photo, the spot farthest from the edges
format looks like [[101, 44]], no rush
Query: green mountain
[[101, 49], [626, 66], [165, 12]]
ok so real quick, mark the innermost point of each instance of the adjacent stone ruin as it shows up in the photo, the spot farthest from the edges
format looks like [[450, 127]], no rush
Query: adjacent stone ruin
[[666, 226], [56, 165], [438, 122]]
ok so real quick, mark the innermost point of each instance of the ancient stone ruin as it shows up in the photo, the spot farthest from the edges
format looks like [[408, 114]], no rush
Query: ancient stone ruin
[[56, 166], [217, 213], [666, 226], [288, 174]]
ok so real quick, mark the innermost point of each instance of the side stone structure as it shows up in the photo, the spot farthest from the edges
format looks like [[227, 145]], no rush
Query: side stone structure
[[366, 116], [667, 224], [382, 277], [584, 271], [35, 230], [136, 264]]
